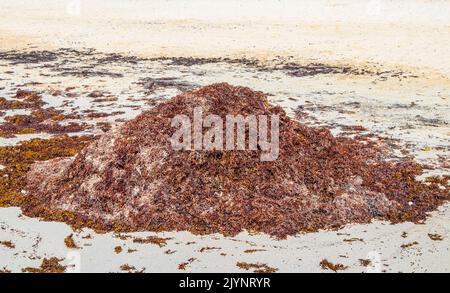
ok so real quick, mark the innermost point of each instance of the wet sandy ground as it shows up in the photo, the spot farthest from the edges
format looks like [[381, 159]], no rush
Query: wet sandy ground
[[379, 242], [376, 64]]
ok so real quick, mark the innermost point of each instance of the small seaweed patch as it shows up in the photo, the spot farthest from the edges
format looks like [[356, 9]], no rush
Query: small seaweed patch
[[22, 100], [326, 265], [408, 245], [152, 239], [182, 266], [257, 267], [8, 244], [70, 243], [118, 249], [48, 265], [127, 268], [253, 250], [435, 237], [365, 262], [28, 57], [18, 159], [350, 240], [208, 248], [130, 269], [122, 236], [39, 121]]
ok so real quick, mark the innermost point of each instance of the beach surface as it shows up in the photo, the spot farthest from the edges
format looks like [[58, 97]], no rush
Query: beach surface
[[403, 94], [396, 33]]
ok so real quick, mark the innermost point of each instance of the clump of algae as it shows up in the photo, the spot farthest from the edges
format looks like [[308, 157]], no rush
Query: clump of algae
[[16, 161], [48, 265]]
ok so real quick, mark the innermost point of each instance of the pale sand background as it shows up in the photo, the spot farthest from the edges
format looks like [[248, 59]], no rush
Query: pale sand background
[[410, 34], [403, 32]]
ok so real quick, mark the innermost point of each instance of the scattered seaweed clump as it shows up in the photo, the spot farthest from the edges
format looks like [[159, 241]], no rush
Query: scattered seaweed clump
[[8, 244], [118, 249], [257, 267], [355, 239], [161, 242], [131, 269], [127, 268], [131, 179], [253, 250], [70, 243], [48, 265], [22, 100], [365, 262], [182, 266], [18, 159], [28, 57], [326, 265], [408, 245], [40, 120], [208, 248], [435, 237]]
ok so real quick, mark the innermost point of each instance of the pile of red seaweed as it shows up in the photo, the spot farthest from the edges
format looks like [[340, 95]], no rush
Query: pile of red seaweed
[[132, 179]]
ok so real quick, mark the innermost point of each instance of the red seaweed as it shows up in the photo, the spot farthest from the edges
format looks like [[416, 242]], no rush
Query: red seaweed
[[132, 179]]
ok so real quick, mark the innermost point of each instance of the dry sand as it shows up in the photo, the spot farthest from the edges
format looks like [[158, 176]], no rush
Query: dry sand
[[396, 33], [411, 36]]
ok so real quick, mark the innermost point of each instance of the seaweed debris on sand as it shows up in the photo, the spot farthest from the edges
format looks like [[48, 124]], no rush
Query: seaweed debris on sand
[[132, 179]]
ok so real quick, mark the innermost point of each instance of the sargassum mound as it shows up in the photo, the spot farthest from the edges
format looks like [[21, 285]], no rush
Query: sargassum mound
[[132, 179]]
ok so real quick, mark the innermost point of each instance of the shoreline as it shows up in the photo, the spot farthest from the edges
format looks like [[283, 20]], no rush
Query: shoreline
[[415, 39]]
